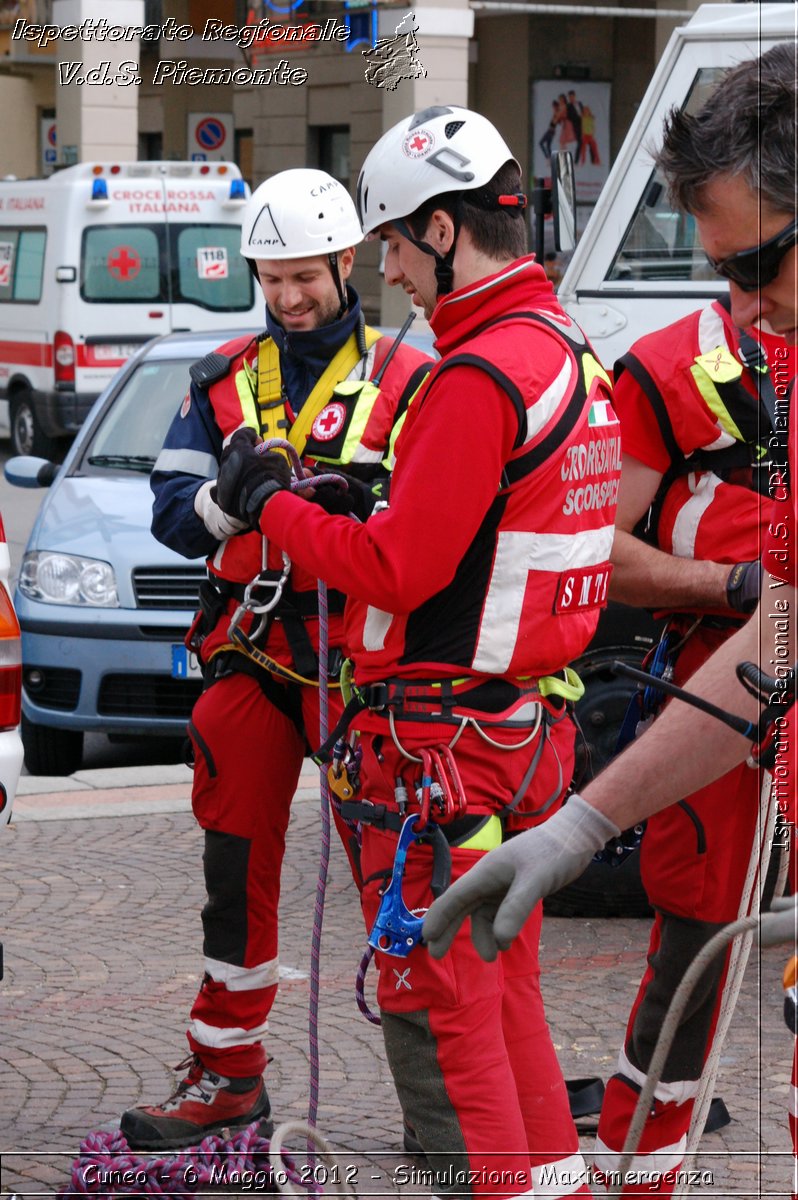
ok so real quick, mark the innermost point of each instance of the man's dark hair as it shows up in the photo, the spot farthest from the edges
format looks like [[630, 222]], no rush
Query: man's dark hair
[[497, 232], [747, 128]]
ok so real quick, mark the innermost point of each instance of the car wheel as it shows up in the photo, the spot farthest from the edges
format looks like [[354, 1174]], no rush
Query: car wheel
[[50, 751], [602, 890], [27, 435]]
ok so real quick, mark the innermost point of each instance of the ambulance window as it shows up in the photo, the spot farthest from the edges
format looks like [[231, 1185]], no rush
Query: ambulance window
[[661, 244], [210, 269], [30, 265], [8, 258], [120, 264]]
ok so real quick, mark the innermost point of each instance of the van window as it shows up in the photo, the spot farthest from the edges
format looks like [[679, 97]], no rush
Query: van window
[[175, 263], [120, 264], [661, 244], [210, 269], [21, 265]]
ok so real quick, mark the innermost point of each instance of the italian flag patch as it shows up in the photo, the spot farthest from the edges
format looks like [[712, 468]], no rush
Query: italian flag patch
[[602, 413]]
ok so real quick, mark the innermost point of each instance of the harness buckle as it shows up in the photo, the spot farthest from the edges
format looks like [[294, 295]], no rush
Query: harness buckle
[[376, 696]]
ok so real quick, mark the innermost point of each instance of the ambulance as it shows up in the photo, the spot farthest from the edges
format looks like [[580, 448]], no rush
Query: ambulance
[[638, 265], [99, 258]]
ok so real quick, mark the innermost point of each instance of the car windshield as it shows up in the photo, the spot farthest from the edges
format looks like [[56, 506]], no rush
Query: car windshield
[[130, 434]]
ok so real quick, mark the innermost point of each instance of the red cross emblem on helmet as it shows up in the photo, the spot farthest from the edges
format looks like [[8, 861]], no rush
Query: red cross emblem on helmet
[[329, 422], [418, 143]]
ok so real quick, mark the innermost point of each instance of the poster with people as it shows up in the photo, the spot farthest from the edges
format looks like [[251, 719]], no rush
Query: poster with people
[[572, 115]]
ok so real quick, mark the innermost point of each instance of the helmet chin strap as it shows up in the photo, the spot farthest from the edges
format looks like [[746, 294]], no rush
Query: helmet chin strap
[[444, 263], [332, 259], [512, 203]]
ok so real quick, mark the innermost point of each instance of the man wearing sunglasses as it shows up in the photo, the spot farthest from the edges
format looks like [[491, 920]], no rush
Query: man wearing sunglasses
[[733, 167]]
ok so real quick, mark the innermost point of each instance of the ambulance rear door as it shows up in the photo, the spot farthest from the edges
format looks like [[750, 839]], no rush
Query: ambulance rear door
[[159, 251]]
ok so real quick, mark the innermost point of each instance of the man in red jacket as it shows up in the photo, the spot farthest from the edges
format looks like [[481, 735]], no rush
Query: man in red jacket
[[692, 518], [468, 595], [308, 377], [733, 166]]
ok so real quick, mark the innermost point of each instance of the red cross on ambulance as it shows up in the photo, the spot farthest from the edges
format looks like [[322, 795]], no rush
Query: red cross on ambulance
[[123, 263]]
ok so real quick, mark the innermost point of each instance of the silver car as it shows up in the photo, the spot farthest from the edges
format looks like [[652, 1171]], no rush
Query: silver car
[[103, 606]]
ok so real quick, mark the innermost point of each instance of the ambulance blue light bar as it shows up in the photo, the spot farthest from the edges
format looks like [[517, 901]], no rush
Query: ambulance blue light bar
[[99, 190], [238, 189]]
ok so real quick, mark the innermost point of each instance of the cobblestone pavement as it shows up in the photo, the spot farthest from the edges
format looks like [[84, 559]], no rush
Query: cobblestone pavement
[[100, 892]]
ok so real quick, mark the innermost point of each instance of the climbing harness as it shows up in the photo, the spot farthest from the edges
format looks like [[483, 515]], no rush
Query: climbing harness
[[776, 696], [263, 594]]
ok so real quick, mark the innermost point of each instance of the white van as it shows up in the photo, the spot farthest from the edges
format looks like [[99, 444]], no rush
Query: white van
[[97, 259], [638, 266]]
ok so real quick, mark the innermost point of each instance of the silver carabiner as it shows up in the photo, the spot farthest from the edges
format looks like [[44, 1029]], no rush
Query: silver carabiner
[[250, 605]]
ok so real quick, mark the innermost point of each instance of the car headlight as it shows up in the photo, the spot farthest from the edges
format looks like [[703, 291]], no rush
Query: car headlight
[[67, 579]]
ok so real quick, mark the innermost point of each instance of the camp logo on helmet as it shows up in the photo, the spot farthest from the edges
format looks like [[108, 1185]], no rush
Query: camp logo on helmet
[[418, 143], [329, 422], [264, 229]]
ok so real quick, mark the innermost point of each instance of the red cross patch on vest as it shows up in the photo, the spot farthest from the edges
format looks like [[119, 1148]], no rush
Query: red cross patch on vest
[[329, 422]]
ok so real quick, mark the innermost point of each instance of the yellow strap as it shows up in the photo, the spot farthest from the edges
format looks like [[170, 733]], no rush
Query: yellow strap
[[570, 688], [336, 371], [487, 837], [714, 403], [272, 415]]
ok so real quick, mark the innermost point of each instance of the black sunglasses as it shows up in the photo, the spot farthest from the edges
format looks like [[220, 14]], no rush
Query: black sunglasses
[[754, 268]]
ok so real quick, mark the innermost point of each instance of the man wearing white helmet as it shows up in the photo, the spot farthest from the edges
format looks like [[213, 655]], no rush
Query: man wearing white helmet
[[468, 595], [307, 379]]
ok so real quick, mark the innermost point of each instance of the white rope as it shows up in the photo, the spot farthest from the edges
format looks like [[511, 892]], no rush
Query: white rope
[[332, 1177], [670, 1025], [738, 959]]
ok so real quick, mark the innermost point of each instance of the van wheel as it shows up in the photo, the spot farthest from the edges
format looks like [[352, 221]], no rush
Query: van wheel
[[50, 751], [27, 435]]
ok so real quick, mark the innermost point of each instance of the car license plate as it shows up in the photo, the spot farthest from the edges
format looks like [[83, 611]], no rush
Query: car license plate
[[185, 664], [113, 352]]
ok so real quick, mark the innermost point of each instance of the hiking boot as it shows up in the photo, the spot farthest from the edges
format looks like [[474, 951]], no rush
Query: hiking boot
[[203, 1103]]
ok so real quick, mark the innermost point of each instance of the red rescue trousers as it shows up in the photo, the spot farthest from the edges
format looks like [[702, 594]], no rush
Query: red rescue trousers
[[467, 1041], [248, 759]]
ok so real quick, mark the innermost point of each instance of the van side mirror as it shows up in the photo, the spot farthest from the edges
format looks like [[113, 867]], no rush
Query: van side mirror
[[563, 200], [65, 274]]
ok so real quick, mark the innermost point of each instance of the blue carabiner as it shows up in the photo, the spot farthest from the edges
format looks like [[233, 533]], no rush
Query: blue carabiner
[[396, 930]]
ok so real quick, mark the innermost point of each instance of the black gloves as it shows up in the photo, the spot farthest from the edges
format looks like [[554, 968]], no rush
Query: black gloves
[[248, 479], [744, 585], [358, 498]]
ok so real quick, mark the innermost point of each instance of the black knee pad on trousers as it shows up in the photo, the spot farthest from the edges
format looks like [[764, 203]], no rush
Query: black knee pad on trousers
[[680, 942], [412, 1057], [224, 917]]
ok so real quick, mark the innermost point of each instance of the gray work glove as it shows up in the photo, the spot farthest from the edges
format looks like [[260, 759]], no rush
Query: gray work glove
[[214, 518], [744, 585], [780, 925], [500, 891]]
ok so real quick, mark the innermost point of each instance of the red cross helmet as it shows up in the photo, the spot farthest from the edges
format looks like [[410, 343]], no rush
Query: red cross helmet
[[297, 214], [441, 149]]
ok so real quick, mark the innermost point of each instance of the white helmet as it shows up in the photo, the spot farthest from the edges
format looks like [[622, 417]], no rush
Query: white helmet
[[298, 214], [438, 150]]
